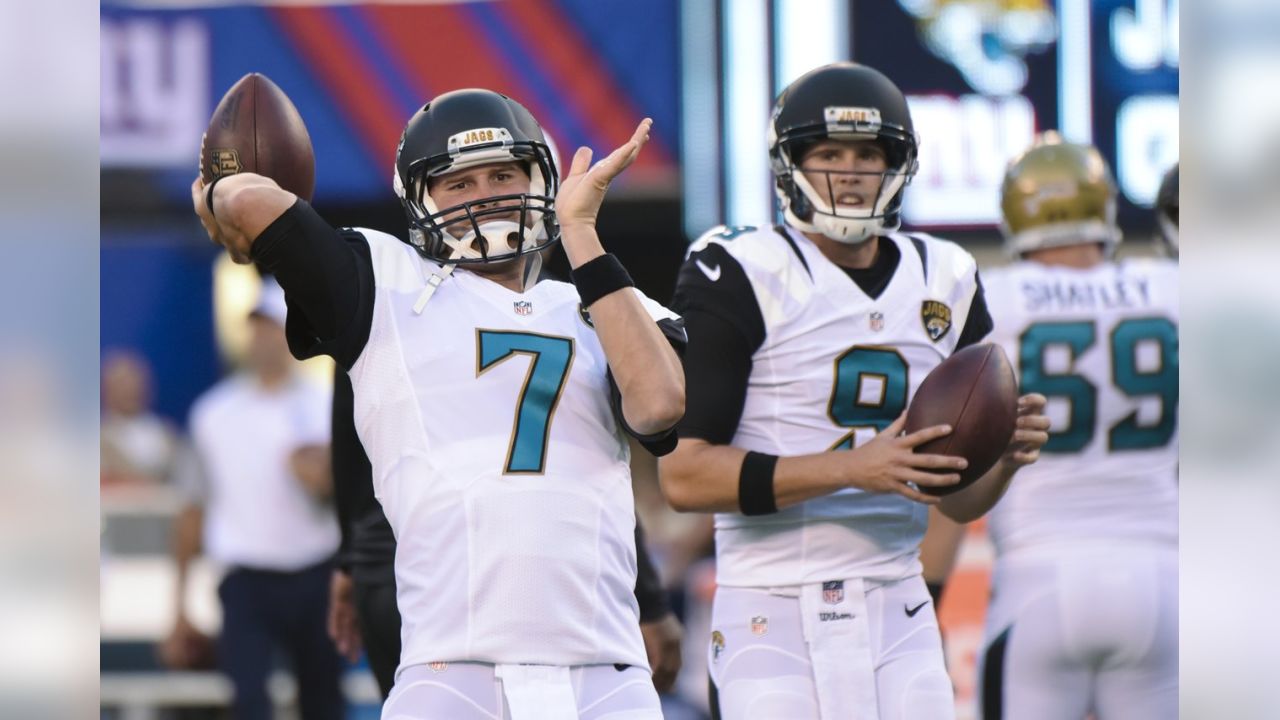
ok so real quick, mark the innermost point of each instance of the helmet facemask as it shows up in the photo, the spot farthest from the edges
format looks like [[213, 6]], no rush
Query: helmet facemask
[[805, 208], [486, 230]]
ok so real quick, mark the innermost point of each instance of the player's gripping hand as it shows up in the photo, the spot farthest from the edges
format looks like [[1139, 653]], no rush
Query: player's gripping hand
[[582, 190], [343, 626], [1030, 434], [662, 638], [218, 232], [889, 463]]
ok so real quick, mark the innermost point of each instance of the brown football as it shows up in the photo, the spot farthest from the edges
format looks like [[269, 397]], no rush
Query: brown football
[[256, 129], [975, 392]]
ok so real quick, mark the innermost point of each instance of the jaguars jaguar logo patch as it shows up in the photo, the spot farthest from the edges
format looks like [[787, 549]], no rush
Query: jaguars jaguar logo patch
[[717, 645], [936, 318]]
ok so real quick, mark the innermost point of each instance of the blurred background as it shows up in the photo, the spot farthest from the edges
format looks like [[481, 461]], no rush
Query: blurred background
[[982, 77]]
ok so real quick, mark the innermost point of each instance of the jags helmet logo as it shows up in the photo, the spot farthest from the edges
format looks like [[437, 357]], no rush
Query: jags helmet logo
[[936, 318]]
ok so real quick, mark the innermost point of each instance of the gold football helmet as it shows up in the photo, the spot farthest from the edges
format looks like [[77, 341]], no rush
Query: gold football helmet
[[1058, 193]]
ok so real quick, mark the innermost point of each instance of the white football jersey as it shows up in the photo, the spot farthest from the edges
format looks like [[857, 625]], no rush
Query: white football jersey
[[1102, 345], [835, 368], [501, 467]]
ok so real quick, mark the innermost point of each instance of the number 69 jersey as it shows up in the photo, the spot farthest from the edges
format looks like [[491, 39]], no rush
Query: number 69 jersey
[[1102, 345], [501, 467]]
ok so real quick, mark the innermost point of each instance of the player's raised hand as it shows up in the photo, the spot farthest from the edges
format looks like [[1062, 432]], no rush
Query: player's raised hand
[[889, 463], [1031, 432], [583, 189]]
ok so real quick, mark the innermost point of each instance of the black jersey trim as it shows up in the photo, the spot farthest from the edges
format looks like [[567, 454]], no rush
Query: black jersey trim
[[924, 256], [794, 247]]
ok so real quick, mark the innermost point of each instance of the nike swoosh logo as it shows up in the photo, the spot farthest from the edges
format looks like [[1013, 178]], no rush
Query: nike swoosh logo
[[911, 612], [711, 272]]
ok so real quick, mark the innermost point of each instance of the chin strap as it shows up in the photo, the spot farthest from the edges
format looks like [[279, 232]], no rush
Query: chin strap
[[532, 269], [433, 283]]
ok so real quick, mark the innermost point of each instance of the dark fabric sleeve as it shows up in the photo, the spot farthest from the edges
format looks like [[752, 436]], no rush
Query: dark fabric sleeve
[[368, 549], [327, 277], [664, 442], [345, 463], [649, 593], [979, 323], [725, 328]]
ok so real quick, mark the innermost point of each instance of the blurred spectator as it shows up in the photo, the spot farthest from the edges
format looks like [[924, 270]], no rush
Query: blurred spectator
[[259, 493], [138, 447]]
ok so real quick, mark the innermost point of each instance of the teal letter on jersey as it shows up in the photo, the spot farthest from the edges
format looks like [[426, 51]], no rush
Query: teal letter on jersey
[[1082, 394], [1163, 381], [551, 358], [870, 391]]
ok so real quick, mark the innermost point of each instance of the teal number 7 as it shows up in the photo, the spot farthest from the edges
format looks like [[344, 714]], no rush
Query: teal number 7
[[550, 359]]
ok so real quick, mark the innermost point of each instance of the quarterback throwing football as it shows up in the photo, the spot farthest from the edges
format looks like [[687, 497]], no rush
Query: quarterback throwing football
[[492, 409]]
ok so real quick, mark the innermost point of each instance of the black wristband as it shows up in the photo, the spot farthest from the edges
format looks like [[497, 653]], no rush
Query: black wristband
[[755, 484], [208, 195], [599, 277], [935, 592]]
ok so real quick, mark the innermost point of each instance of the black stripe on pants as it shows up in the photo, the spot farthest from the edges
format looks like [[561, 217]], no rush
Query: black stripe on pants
[[379, 629], [993, 677]]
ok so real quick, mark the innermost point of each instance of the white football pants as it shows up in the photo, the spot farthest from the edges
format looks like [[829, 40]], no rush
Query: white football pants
[[828, 651], [1072, 632], [481, 691]]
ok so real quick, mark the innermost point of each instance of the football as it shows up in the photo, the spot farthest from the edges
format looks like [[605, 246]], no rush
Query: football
[[975, 392], [256, 129]]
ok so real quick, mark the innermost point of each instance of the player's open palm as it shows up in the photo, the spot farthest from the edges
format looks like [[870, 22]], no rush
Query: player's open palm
[[583, 189], [889, 463]]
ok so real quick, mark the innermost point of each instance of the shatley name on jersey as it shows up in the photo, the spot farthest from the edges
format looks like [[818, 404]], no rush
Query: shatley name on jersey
[[1067, 296]]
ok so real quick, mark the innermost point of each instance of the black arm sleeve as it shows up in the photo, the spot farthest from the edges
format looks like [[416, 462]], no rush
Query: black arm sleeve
[[649, 593], [345, 463], [664, 442], [368, 549], [327, 276], [725, 327], [979, 324]]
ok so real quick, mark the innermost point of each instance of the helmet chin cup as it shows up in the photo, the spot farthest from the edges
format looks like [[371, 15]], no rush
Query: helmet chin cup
[[848, 230], [496, 234]]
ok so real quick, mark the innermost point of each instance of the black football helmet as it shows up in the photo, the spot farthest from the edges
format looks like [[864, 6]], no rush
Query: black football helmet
[[1167, 213], [463, 129], [841, 101]]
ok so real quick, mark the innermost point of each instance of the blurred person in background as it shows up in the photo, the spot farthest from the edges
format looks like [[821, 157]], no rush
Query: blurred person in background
[[1167, 213], [507, 483], [138, 447], [1084, 610], [362, 604], [806, 342], [259, 493]]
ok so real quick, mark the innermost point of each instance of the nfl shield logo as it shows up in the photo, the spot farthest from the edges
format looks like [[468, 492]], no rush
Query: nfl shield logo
[[438, 667], [833, 592], [877, 321], [524, 307], [759, 625]]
